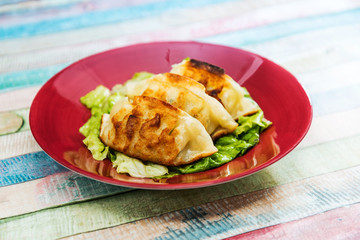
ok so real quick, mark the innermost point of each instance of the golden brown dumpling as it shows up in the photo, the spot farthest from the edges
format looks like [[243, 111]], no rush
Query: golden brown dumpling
[[188, 95], [153, 130], [218, 85]]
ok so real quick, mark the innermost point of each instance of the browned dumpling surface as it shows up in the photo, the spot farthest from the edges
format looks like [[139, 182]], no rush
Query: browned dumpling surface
[[188, 95], [218, 85], [152, 130]]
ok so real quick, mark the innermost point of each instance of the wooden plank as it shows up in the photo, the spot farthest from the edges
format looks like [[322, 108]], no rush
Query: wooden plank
[[127, 207], [21, 143], [43, 10], [54, 190], [5, 4], [242, 213], [17, 99], [256, 15], [222, 218], [338, 99], [340, 223], [28, 78], [88, 19], [322, 128], [331, 75], [311, 58], [132, 26], [38, 165], [19, 169], [12, 5], [318, 134], [286, 28]]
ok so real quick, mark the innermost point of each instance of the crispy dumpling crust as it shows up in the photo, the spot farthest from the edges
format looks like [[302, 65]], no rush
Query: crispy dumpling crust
[[218, 85], [152, 130], [211, 76], [188, 95]]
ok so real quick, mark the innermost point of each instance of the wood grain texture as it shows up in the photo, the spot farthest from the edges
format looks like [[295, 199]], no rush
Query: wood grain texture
[[286, 28], [140, 204], [190, 24], [323, 147], [317, 41], [52, 191], [17, 99], [312, 56], [40, 75], [323, 129], [243, 213], [89, 19], [162, 21], [29, 78], [321, 132], [19, 169], [18, 144], [340, 223], [43, 8]]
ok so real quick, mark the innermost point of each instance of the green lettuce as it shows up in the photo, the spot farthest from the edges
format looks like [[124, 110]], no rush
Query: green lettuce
[[136, 168], [140, 76], [99, 101], [96, 97]]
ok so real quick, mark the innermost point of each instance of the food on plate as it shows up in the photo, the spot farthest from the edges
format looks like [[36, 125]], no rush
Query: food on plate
[[188, 95], [153, 130], [163, 125], [218, 85]]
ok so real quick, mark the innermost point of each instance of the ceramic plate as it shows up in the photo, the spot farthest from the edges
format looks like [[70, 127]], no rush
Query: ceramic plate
[[56, 112]]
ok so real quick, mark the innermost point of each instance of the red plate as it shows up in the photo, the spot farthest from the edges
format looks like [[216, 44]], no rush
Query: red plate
[[56, 112]]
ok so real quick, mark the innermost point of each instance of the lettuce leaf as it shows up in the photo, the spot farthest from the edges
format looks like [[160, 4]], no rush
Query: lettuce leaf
[[136, 168], [96, 97], [98, 150], [140, 76], [99, 101]]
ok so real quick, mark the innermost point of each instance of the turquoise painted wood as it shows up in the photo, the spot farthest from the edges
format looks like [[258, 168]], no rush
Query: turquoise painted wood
[[96, 18]]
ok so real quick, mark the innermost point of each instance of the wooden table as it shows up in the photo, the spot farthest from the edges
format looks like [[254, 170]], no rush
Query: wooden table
[[312, 193]]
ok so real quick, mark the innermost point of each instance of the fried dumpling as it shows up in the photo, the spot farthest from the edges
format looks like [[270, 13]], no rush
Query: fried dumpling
[[218, 85], [153, 130], [188, 95]]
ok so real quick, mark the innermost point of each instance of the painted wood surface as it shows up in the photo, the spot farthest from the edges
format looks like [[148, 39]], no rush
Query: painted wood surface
[[316, 41], [122, 208], [338, 223], [246, 212], [314, 161]]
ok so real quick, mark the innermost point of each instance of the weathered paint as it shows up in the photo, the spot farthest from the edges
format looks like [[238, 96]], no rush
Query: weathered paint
[[243, 213], [315, 160], [27, 167], [340, 223], [318, 44], [89, 19]]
